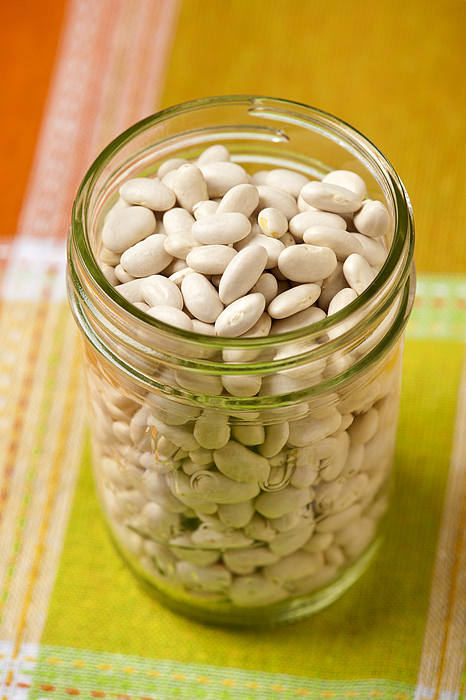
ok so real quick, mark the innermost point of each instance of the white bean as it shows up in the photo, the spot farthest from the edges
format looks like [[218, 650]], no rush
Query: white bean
[[298, 320], [307, 263], [304, 220], [349, 180], [288, 180], [253, 591], [127, 227], [214, 154], [276, 436], [361, 541], [364, 427], [358, 273], [373, 219], [177, 220], [183, 548], [210, 432], [293, 567], [201, 298], [272, 245], [157, 290], [278, 199], [121, 275], [215, 578], [170, 164], [354, 460], [169, 178], [221, 177], [334, 556], [180, 435], [237, 462], [373, 250], [290, 520], [206, 208], [319, 542], [189, 186], [208, 384], [332, 523], [266, 285], [260, 177], [159, 522], [202, 455], [240, 198], [221, 228], [340, 300], [131, 291], [242, 385], [308, 430], [108, 258], [176, 265], [304, 206], [341, 242], [148, 192], [274, 504], [245, 561], [291, 541], [333, 198], [205, 329], [172, 316], [240, 316], [237, 514], [273, 222], [259, 529], [178, 277], [180, 244], [217, 487], [287, 239], [248, 435], [242, 273], [293, 300], [335, 465], [210, 259], [351, 491], [259, 330]]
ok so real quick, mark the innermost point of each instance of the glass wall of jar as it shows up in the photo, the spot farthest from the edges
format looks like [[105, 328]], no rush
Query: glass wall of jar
[[243, 479]]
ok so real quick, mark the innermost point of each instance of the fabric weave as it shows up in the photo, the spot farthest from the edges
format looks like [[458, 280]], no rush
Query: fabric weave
[[73, 620]]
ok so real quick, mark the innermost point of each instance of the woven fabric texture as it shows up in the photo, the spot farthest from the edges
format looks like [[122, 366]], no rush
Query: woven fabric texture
[[73, 620]]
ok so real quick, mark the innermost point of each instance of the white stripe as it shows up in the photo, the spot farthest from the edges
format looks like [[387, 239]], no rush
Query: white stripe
[[34, 264], [16, 671]]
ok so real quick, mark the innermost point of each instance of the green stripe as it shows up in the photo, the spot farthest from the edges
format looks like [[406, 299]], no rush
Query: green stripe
[[63, 672], [440, 308]]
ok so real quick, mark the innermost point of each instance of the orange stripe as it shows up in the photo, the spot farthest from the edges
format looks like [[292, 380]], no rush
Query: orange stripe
[[29, 38]]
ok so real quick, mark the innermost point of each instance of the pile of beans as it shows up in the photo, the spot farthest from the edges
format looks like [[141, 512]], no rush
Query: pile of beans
[[233, 254], [246, 507]]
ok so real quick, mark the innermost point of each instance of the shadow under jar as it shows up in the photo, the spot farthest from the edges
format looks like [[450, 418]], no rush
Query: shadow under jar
[[243, 479]]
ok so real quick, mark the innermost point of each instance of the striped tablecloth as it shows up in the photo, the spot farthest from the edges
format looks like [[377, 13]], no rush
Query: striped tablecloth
[[73, 621]]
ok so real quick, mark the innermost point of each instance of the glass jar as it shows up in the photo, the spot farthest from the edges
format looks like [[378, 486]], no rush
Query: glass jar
[[243, 479]]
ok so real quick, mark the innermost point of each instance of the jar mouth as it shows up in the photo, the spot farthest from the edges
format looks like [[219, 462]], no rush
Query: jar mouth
[[266, 122]]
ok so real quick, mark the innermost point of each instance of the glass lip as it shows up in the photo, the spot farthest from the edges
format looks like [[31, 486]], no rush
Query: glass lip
[[315, 119]]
